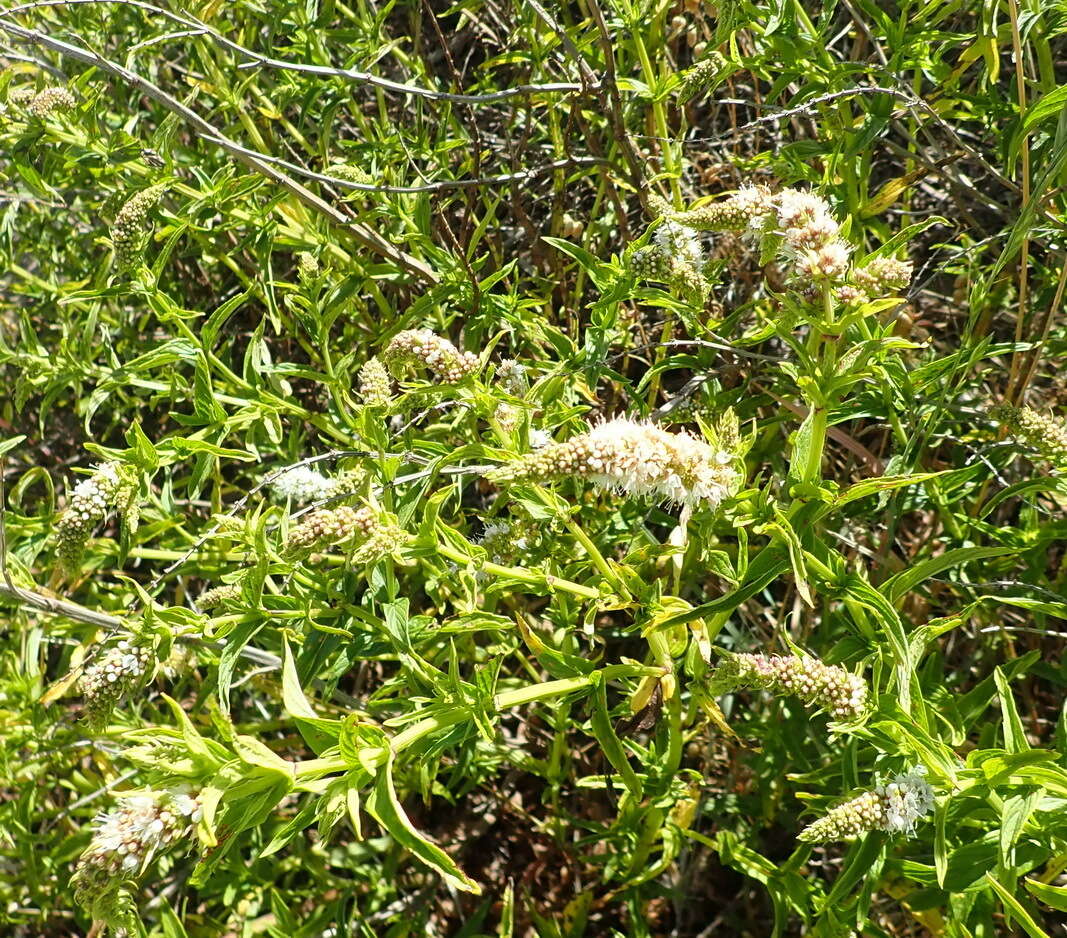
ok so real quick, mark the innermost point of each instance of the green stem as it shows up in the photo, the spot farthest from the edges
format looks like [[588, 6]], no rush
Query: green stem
[[812, 471], [659, 115], [594, 554], [521, 574], [316, 768]]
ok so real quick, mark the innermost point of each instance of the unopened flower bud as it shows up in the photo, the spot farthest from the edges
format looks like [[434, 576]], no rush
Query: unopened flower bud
[[690, 283], [1042, 432], [848, 295], [365, 533], [746, 210], [129, 231], [350, 174], [832, 688], [375, 384], [87, 506], [696, 80], [50, 101], [650, 264], [307, 267], [219, 596], [883, 275]]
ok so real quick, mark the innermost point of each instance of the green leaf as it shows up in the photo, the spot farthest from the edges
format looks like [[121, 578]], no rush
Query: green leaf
[[296, 704], [1053, 896], [384, 806], [319, 733], [9, 444], [610, 743], [1014, 734], [598, 271], [881, 484], [1012, 905], [1014, 814], [897, 587]]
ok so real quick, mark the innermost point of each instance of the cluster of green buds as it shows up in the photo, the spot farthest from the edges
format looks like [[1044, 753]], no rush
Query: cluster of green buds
[[365, 534], [109, 486], [217, 596], [696, 80], [55, 100], [350, 174], [882, 275], [124, 842], [634, 458], [1043, 433], [120, 671], [841, 693], [747, 210], [130, 228], [375, 384], [307, 268], [894, 807], [423, 348]]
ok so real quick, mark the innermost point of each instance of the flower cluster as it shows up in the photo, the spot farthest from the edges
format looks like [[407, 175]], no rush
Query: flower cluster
[[131, 225], [302, 484], [375, 385], [800, 227], [219, 596], [635, 458], [894, 807], [839, 692], [811, 236], [423, 348], [675, 257], [511, 375], [124, 842], [350, 174], [1042, 432], [503, 541], [51, 101], [87, 506], [120, 671], [365, 533]]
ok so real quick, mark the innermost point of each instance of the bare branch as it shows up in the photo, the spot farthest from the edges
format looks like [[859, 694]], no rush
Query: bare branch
[[366, 236], [257, 60], [437, 186]]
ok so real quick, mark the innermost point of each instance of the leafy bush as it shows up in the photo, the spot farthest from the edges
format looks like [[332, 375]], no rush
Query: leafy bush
[[533, 471]]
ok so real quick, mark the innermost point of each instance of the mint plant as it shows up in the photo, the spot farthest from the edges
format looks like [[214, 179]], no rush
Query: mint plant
[[527, 470]]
